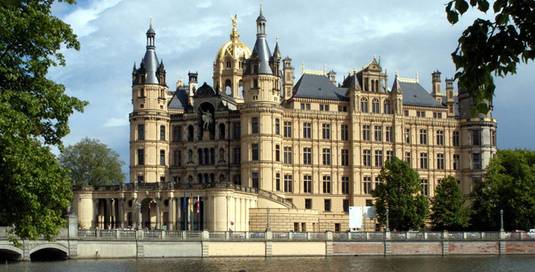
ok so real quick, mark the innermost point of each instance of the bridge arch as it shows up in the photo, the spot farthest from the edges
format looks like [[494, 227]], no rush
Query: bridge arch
[[10, 253], [49, 252]]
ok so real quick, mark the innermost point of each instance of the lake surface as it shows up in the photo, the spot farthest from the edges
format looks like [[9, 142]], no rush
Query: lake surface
[[290, 264]]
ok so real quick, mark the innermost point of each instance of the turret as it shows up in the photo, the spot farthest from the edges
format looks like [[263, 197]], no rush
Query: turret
[[436, 86], [150, 70], [449, 96], [332, 77], [275, 60], [288, 78], [192, 85]]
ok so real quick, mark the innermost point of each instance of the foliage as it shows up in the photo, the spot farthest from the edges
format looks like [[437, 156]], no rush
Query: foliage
[[91, 162], [489, 46], [509, 184], [35, 191], [399, 191], [448, 207]]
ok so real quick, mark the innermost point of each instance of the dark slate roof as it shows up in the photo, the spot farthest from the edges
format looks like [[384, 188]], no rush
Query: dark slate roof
[[179, 100], [205, 91], [415, 95], [351, 81], [262, 52], [318, 87]]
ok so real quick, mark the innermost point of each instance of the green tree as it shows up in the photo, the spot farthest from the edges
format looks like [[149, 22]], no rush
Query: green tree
[[35, 190], [399, 190], [492, 46], [509, 184], [91, 162], [448, 207]]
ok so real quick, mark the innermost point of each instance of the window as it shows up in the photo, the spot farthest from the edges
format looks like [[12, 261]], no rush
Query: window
[[141, 132], [177, 157], [141, 156], [287, 129], [423, 160], [378, 133], [406, 112], [255, 177], [388, 134], [288, 182], [456, 138], [367, 157], [424, 187], [377, 181], [493, 137], [162, 133], [378, 158], [277, 127], [254, 152], [367, 185], [476, 137], [327, 205], [288, 158], [236, 179], [278, 181], [337, 227], [221, 155], [407, 136], [305, 106], [342, 108], [326, 184], [326, 156], [236, 155], [254, 125], [326, 131], [389, 155], [476, 161], [190, 156], [420, 114], [387, 107], [408, 158], [440, 137], [345, 185], [308, 203], [423, 136], [140, 179], [345, 205], [277, 153], [190, 133], [375, 106], [307, 130], [177, 133], [437, 115], [307, 183], [364, 105], [307, 155], [345, 157], [440, 161], [162, 157], [456, 161], [236, 130], [344, 132], [366, 132], [324, 107]]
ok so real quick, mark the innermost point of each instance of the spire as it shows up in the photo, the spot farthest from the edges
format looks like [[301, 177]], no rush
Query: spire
[[277, 53], [234, 35], [150, 60], [396, 87], [261, 23], [261, 53]]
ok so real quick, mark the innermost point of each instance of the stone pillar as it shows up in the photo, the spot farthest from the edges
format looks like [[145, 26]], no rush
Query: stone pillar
[[388, 251], [328, 243], [158, 216], [107, 214], [445, 243], [73, 226], [113, 214], [94, 224], [121, 213], [179, 214], [172, 213], [139, 223], [269, 243]]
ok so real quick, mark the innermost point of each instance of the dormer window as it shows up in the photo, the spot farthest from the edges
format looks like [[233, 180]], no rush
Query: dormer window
[[229, 65]]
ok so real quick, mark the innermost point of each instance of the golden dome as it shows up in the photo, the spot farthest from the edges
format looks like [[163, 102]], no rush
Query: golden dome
[[234, 48]]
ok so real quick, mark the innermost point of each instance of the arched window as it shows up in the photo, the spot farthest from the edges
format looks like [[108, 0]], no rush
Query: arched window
[[190, 155], [363, 105], [199, 178], [162, 133], [228, 87], [212, 178], [190, 133], [377, 85], [375, 106], [277, 126], [277, 153], [199, 155], [221, 178], [222, 155], [206, 156], [190, 179], [240, 89], [222, 131], [387, 107], [206, 178], [212, 155]]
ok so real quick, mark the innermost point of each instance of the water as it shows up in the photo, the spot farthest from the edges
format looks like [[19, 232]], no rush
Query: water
[[290, 264]]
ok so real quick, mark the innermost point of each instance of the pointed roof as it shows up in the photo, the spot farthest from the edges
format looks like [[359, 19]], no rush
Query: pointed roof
[[396, 88], [352, 81], [261, 48], [414, 94], [150, 60], [277, 53]]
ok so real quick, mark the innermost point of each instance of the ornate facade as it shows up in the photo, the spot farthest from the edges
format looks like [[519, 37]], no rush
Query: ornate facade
[[257, 150]]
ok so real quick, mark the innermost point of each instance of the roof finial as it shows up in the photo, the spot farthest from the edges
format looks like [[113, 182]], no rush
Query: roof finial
[[261, 7], [234, 35], [150, 22]]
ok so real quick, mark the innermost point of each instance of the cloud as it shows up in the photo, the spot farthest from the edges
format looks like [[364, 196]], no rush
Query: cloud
[[410, 37]]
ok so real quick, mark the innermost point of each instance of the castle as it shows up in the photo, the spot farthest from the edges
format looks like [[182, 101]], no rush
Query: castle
[[256, 150]]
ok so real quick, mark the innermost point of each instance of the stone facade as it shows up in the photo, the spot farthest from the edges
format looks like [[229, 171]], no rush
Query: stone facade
[[307, 150]]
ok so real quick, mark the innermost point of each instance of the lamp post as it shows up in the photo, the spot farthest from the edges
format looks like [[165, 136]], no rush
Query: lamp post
[[387, 219], [501, 221]]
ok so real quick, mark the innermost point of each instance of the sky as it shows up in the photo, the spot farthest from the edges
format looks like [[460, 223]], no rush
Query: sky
[[409, 37]]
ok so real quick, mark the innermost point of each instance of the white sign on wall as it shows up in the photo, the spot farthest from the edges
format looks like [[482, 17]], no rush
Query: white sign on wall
[[355, 217]]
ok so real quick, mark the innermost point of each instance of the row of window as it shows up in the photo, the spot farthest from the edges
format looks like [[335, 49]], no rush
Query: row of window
[[287, 185], [323, 107], [376, 106]]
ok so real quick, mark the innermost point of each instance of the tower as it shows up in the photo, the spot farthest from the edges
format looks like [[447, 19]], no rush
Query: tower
[[436, 86], [149, 120], [228, 64], [288, 78]]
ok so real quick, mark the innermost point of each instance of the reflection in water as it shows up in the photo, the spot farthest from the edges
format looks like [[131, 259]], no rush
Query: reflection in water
[[290, 264]]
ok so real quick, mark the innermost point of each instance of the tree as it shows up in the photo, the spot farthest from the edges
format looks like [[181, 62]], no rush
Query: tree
[[399, 190], [490, 47], [91, 162], [448, 207], [35, 190], [509, 184]]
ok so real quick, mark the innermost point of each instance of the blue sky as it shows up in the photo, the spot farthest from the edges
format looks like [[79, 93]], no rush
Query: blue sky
[[409, 36]]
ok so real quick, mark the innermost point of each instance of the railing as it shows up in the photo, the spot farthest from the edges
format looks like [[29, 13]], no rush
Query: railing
[[156, 186]]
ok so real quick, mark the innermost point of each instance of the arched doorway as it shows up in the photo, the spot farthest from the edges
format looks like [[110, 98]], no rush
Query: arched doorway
[[149, 214]]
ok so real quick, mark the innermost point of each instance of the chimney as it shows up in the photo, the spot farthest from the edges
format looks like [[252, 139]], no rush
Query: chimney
[[436, 85], [449, 95]]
